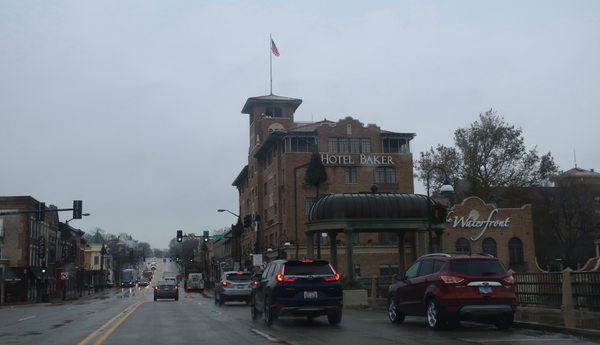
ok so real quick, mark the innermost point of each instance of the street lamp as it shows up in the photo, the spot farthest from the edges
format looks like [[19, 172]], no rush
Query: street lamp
[[236, 234], [84, 215], [224, 210], [445, 190]]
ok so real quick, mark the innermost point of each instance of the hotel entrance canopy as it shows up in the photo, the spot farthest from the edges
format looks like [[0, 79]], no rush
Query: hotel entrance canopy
[[369, 212]]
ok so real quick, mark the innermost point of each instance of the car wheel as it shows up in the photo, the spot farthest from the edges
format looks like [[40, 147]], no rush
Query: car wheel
[[253, 310], [335, 317], [177, 298], [155, 299], [269, 313], [394, 314], [505, 322], [434, 316], [221, 300]]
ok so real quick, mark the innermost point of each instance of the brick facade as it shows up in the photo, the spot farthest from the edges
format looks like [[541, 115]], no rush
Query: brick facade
[[356, 156]]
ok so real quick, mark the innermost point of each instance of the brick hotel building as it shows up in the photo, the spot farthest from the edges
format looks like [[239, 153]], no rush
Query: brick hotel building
[[356, 156]]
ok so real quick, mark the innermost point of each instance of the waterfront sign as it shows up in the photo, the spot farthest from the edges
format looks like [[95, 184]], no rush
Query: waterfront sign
[[473, 222], [356, 159]]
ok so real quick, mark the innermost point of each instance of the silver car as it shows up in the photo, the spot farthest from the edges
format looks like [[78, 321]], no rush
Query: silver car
[[233, 286]]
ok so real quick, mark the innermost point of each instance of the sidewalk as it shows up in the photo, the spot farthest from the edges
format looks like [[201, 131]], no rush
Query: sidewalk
[[584, 323], [58, 300], [581, 323]]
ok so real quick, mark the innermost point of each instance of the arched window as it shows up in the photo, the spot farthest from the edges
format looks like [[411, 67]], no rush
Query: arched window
[[463, 245], [489, 246], [515, 251]]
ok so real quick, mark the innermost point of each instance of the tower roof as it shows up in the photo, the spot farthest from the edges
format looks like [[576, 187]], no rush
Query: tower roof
[[270, 99]]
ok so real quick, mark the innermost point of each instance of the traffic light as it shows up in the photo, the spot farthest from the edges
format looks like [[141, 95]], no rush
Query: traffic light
[[77, 209], [247, 221], [205, 237], [41, 212], [41, 248], [43, 269], [179, 235]]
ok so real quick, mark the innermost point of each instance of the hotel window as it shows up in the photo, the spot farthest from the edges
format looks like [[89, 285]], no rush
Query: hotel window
[[394, 145], [333, 145], [343, 145], [350, 175], [302, 144], [273, 112], [96, 260], [308, 203], [365, 144], [515, 251], [489, 246], [354, 145], [357, 270], [385, 175], [463, 245]]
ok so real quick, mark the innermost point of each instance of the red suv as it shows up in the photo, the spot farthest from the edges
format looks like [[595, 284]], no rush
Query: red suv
[[447, 288]]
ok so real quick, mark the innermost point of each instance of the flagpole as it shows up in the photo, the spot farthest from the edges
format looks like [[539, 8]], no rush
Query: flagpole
[[270, 65]]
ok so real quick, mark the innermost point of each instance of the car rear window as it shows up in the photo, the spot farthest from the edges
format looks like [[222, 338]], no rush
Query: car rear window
[[238, 276], [307, 268], [474, 267]]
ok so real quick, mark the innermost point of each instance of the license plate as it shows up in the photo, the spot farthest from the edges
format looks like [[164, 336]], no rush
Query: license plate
[[485, 290], [240, 286], [310, 294]]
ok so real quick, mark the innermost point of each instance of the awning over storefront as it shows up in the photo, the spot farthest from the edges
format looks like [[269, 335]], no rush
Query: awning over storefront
[[12, 275]]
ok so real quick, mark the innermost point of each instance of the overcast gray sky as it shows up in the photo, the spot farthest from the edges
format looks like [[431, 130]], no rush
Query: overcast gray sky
[[134, 107]]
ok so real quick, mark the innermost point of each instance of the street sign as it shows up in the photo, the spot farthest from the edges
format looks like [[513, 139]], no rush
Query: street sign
[[64, 275], [257, 259]]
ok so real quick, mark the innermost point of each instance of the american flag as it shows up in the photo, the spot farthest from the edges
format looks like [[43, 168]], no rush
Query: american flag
[[274, 49]]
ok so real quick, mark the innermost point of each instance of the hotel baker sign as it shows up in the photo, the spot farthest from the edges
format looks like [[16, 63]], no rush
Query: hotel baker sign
[[356, 159]]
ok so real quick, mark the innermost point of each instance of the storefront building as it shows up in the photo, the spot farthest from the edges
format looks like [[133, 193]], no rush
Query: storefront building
[[478, 227], [273, 193]]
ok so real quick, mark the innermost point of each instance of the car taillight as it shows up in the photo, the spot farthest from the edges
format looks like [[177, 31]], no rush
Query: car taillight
[[225, 282], [451, 279], [254, 282], [283, 279], [156, 287], [176, 286], [333, 278], [510, 280]]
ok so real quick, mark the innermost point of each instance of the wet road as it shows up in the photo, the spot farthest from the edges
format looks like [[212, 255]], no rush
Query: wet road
[[195, 319]]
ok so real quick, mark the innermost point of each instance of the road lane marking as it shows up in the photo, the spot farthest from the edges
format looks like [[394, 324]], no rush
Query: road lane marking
[[94, 333], [117, 324], [26, 318], [264, 335]]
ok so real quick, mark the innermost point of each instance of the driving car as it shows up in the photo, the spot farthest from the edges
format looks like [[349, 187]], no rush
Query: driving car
[[308, 288], [233, 286], [194, 281], [144, 281], [166, 289], [447, 288]]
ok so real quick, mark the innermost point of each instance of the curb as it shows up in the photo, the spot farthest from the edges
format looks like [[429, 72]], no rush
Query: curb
[[588, 333]]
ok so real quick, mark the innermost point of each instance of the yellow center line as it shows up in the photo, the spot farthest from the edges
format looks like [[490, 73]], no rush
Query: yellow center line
[[117, 324], [104, 325]]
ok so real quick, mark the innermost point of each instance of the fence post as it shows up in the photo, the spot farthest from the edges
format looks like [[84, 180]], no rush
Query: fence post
[[374, 287], [567, 291]]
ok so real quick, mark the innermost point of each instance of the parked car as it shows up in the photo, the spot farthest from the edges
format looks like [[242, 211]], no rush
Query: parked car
[[306, 288], [447, 288], [166, 289], [194, 281], [233, 286]]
